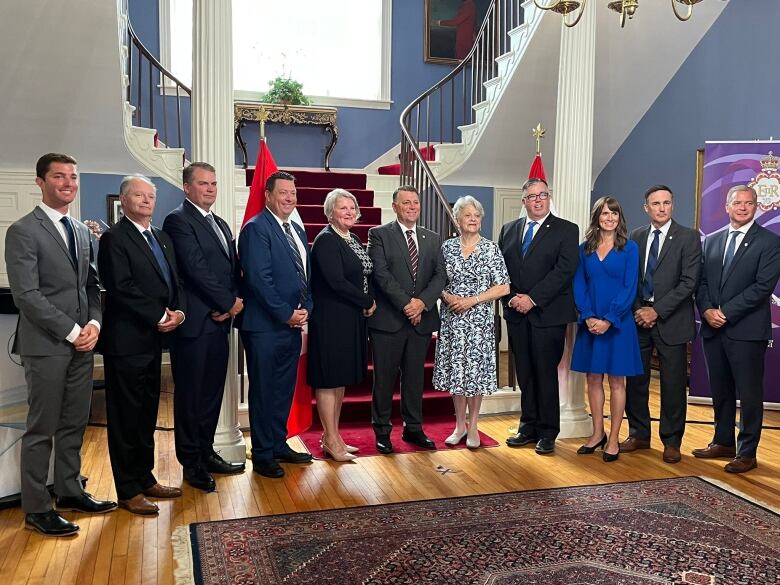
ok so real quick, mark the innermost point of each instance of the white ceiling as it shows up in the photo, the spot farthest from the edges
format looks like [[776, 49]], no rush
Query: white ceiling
[[633, 65]]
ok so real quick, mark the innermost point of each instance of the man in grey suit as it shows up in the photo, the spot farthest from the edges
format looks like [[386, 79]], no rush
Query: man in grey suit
[[54, 284], [669, 267], [408, 277]]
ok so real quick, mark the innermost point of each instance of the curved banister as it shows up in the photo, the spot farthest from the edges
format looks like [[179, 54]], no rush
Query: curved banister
[[453, 97]]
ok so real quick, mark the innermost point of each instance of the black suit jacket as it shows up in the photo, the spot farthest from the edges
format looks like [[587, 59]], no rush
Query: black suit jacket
[[545, 273], [136, 292], [674, 281], [393, 284], [743, 293], [209, 276]]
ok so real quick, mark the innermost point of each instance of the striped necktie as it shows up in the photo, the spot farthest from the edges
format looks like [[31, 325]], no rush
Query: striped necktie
[[298, 263], [413, 255]]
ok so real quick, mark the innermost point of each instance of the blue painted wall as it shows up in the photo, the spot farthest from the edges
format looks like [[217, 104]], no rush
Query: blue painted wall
[[726, 90]]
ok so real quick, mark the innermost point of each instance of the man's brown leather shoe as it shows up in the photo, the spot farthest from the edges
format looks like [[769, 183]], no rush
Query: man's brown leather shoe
[[633, 443], [741, 464], [714, 451], [162, 491], [138, 504], [671, 454]]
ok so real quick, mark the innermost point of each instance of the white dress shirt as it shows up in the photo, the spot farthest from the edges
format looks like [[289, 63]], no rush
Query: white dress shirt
[[405, 229], [296, 238], [741, 231]]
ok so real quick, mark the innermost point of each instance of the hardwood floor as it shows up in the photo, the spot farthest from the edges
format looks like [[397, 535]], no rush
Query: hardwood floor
[[125, 549]]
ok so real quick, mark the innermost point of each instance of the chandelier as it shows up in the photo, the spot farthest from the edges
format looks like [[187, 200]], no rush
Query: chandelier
[[626, 9]]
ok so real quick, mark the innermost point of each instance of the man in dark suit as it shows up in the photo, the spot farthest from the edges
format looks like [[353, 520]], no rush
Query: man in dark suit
[[144, 302], [541, 256], [274, 257], [741, 265], [208, 267], [669, 267], [54, 284], [408, 277]]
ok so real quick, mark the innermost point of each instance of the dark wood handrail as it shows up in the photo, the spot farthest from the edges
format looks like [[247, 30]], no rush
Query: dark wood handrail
[[147, 97], [433, 117]]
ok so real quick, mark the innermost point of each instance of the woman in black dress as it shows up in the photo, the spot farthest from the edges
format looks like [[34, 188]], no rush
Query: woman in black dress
[[338, 352]]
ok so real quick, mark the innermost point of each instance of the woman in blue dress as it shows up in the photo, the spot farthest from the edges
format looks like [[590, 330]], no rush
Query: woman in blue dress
[[466, 348], [607, 342]]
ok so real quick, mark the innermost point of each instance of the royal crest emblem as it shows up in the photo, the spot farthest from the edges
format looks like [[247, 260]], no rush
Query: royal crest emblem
[[767, 183]]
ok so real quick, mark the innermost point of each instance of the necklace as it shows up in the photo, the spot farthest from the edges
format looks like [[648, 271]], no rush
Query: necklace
[[346, 235], [469, 246]]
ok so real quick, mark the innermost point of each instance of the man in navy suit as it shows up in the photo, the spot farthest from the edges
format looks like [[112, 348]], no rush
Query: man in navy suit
[[274, 257], [541, 256], [208, 268], [741, 265]]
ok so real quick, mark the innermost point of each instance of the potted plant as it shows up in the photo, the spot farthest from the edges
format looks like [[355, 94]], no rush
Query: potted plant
[[285, 91]]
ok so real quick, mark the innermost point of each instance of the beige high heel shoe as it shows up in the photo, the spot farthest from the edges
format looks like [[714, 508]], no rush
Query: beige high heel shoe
[[341, 457], [349, 448]]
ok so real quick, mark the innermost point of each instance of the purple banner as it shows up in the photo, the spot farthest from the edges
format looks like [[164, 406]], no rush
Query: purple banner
[[741, 163]]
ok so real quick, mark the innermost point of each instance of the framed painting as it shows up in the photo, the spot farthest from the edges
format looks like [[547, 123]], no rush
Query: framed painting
[[451, 27], [113, 209]]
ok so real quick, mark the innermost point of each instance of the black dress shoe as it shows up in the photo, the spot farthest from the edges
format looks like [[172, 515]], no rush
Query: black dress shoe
[[521, 439], [50, 523], [290, 456], [383, 444], [84, 503], [418, 438], [199, 478], [585, 450], [267, 468], [215, 464], [610, 457], [545, 446]]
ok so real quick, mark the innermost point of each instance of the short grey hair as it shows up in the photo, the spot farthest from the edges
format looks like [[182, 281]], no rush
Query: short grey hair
[[124, 186], [464, 202], [731, 195], [335, 195], [533, 181]]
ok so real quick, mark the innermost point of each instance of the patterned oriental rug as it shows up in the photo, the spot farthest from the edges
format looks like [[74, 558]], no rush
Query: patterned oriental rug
[[680, 530]]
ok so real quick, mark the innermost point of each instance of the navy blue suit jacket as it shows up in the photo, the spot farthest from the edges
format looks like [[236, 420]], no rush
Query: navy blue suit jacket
[[270, 285], [209, 275], [743, 293]]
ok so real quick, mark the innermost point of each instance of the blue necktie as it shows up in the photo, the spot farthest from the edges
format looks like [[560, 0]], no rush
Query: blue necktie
[[529, 236], [71, 241], [298, 263], [730, 249], [652, 262], [160, 257]]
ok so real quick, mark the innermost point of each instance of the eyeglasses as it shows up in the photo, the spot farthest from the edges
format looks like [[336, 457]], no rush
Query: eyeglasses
[[537, 197]]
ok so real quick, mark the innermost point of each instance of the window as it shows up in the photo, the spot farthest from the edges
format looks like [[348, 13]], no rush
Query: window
[[317, 43]]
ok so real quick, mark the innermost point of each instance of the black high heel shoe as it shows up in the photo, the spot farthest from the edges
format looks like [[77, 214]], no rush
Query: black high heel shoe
[[609, 457], [585, 450]]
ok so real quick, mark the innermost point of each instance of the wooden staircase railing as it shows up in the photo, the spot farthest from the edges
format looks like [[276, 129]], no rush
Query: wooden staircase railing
[[434, 116]]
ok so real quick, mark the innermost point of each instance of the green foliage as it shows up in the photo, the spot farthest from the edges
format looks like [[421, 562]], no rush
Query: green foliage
[[286, 91]]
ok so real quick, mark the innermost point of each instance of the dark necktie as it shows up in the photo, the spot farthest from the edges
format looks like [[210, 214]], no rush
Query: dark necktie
[[71, 241], [730, 249], [652, 262], [414, 257], [160, 257], [529, 236], [303, 285], [220, 236]]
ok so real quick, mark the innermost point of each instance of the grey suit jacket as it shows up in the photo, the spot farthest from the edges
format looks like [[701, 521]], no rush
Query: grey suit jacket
[[50, 293], [392, 282], [675, 281]]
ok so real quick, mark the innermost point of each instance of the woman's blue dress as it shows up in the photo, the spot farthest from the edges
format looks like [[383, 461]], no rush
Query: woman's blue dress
[[606, 289]]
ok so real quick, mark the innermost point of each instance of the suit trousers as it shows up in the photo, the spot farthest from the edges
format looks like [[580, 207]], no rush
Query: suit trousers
[[199, 366], [403, 350], [537, 352], [673, 361], [132, 399], [736, 372], [59, 392], [272, 362]]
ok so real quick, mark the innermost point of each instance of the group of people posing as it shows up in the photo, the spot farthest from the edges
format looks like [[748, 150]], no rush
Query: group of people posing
[[183, 287]]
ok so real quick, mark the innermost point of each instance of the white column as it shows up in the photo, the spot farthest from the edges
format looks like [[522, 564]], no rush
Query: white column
[[212, 142], [572, 182]]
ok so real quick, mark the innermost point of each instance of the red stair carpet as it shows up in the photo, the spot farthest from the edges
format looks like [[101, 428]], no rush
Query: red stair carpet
[[438, 413]]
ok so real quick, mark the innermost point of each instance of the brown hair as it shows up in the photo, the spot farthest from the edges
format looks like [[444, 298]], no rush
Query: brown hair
[[43, 164], [593, 233]]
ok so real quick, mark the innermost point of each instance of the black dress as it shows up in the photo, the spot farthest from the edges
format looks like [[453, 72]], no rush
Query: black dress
[[338, 352]]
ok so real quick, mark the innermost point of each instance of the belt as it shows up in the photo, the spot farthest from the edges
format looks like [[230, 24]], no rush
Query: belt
[[647, 303]]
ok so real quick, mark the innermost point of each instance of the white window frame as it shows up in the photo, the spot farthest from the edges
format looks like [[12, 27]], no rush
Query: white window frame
[[384, 103]]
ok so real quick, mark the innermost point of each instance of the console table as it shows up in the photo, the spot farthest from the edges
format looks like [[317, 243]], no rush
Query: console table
[[244, 112]]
